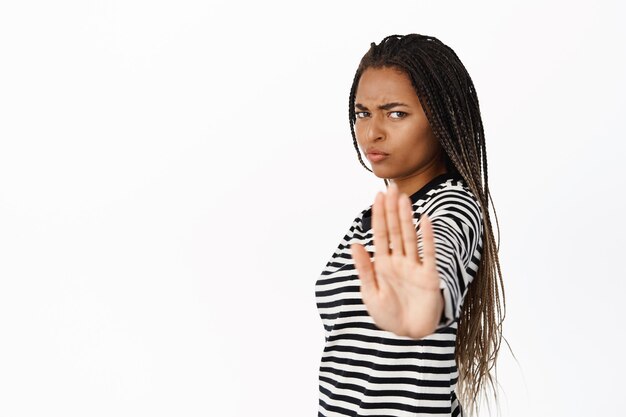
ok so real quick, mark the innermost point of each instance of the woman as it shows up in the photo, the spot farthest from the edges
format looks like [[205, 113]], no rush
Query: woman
[[410, 299]]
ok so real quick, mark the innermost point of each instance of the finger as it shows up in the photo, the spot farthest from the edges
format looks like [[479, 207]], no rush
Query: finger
[[428, 241], [365, 270], [379, 227], [393, 220], [409, 235]]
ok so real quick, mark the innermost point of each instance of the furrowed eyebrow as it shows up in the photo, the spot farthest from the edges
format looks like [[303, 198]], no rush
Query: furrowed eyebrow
[[387, 106]]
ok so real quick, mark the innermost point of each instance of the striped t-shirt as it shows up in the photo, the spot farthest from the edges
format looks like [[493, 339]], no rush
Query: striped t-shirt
[[367, 371]]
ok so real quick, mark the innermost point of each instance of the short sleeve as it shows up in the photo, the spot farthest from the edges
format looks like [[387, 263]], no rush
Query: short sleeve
[[457, 227]]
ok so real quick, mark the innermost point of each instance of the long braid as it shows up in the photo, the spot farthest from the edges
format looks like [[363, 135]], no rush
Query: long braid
[[352, 116], [451, 106]]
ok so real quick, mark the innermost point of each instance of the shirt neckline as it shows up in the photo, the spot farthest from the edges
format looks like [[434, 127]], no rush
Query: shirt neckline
[[366, 219], [431, 184]]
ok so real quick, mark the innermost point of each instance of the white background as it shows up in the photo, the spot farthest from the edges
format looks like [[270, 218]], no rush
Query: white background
[[175, 175]]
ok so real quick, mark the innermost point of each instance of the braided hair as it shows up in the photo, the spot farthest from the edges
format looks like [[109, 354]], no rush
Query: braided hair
[[450, 103]]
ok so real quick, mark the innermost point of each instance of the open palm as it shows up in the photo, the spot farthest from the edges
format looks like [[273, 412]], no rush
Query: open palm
[[400, 290]]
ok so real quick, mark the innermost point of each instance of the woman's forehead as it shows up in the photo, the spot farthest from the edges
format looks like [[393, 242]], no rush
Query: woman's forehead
[[384, 85]]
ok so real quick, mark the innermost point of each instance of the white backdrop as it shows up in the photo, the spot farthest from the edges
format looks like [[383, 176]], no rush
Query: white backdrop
[[175, 175]]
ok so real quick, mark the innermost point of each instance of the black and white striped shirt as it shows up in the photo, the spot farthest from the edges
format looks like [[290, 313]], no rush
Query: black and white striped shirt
[[367, 371]]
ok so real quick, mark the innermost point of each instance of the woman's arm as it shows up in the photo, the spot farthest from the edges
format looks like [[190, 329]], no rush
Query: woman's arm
[[416, 283]]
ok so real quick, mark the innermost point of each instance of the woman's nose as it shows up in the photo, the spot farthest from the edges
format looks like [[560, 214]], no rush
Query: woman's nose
[[374, 129]]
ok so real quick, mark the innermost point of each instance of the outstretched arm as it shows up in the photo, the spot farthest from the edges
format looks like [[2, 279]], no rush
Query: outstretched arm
[[405, 293], [402, 292]]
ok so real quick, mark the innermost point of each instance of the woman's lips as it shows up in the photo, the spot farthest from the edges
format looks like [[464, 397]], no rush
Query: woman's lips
[[376, 157]]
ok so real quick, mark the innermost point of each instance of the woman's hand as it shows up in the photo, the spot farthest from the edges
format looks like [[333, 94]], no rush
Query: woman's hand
[[400, 290]]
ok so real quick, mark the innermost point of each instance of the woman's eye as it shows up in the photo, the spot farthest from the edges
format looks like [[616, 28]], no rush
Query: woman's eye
[[363, 114], [402, 114]]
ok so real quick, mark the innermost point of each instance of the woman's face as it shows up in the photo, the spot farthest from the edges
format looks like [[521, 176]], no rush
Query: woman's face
[[390, 119]]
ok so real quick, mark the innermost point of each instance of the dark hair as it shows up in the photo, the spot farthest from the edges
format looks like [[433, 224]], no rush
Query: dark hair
[[449, 100]]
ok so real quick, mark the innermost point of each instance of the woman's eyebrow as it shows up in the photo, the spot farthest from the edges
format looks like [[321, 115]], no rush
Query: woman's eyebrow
[[387, 106]]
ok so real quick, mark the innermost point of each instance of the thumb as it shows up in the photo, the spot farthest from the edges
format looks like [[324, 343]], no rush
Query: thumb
[[364, 268]]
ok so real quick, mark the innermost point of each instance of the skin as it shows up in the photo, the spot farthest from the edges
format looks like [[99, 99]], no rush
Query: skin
[[415, 155], [400, 289]]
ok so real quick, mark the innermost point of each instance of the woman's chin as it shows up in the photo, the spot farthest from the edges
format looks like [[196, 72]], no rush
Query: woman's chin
[[381, 174]]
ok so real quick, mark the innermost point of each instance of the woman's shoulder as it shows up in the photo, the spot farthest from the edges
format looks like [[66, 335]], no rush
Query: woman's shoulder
[[442, 182], [451, 186], [453, 197]]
